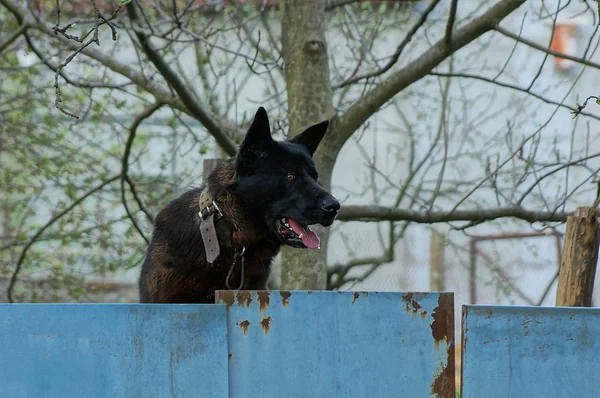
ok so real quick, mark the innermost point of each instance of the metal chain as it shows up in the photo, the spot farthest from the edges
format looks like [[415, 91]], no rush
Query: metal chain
[[235, 257]]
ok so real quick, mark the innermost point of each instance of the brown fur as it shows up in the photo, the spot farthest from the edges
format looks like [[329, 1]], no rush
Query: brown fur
[[267, 184], [176, 271]]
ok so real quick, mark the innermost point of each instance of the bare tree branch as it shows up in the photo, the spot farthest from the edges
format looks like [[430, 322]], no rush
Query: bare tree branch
[[341, 270], [573, 110], [547, 289], [579, 110], [562, 166], [82, 84], [125, 161], [15, 35], [333, 4], [409, 35], [34, 238], [450, 24], [137, 198], [205, 117], [382, 213], [546, 50], [160, 93], [341, 282], [346, 124], [14, 9], [541, 67]]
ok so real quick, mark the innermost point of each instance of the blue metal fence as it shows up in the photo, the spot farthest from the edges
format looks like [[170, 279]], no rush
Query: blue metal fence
[[340, 344], [530, 352], [117, 350], [298, 344], [253, 344]]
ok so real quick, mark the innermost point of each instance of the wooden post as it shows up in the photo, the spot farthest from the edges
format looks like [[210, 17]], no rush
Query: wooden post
[[579, 258], [208, 165], [436, 262]]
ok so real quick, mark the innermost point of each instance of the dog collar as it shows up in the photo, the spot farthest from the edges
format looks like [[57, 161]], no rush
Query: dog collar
[[209, 213]]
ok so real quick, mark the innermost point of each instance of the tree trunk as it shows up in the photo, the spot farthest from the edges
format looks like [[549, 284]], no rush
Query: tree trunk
[[579, 258], [309, 101]]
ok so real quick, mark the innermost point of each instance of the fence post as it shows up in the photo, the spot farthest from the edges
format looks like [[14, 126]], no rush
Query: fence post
[[579, 258], [436, 262], [208, 165]]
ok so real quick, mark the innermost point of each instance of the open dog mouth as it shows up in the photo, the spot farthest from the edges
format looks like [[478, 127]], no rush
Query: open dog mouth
[[299, 235]]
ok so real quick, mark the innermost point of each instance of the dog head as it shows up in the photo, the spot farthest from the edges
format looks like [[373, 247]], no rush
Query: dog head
[[279, 183]]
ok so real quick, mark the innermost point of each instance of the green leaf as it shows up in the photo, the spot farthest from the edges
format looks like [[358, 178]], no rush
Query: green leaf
[[123, 2]]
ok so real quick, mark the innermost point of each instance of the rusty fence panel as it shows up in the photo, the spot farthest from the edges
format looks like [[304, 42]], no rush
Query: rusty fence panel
[[113, 351], [340, 344], [527, 352]]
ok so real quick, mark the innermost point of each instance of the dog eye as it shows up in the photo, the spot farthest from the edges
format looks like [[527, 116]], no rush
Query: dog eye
[[291, 176]]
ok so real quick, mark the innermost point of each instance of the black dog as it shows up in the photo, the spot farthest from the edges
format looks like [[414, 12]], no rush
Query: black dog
[[225, 234]]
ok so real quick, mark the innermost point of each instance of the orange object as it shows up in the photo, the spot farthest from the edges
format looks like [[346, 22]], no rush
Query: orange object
[[564, 41]]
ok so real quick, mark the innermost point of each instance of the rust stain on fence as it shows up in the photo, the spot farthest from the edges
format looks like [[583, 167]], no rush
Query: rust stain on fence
[[419, 319], [416, 306], [244, 325], [412, 305], [227, 298], [264, 299], [443, 321], [407, 298], [444, 384], [285, 297], [266, 323], [442, 330], [244, 297]]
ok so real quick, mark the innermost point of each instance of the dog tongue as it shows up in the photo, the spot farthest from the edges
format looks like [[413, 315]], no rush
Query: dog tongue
[[309, 238]]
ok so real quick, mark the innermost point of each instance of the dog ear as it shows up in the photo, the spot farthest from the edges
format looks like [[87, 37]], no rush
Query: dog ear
[[312, 136], [254, 143], [259, 132]]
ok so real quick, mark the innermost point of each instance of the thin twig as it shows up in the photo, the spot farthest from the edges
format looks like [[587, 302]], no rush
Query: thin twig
[[13, 37], [532, 44], [209, 120], [394, 58], [576, 112], [125, 161], [99, 20], [34, 238]]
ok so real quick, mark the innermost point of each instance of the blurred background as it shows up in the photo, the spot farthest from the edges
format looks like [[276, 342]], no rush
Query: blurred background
[[490, 126]]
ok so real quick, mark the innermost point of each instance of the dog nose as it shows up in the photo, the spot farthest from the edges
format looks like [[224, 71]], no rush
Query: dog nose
[[330, 205]]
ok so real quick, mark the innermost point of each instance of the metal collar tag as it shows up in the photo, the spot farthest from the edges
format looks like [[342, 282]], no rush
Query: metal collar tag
[[208, 211]]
